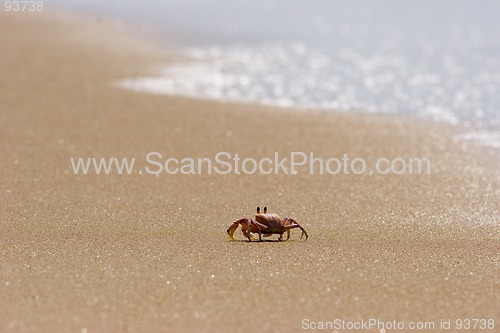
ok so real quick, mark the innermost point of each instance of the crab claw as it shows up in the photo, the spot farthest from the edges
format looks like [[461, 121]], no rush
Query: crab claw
[[232, 228], [247, 227]]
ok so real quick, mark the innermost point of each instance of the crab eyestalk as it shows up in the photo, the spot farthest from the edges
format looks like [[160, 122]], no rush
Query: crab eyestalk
[[258, 210]]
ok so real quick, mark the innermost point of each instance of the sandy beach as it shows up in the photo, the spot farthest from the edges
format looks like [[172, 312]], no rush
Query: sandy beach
[[146, 253]]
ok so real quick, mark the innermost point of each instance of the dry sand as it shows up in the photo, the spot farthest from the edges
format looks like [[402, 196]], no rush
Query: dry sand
[[142, 253]]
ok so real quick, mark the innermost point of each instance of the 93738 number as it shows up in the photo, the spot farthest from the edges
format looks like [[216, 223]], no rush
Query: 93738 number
[[23, 6], [475, 324]]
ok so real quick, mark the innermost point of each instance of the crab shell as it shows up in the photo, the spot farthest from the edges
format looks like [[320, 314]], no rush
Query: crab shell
[[273, 222]]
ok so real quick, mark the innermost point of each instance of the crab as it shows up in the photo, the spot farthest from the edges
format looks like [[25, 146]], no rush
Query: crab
[[265, 224]]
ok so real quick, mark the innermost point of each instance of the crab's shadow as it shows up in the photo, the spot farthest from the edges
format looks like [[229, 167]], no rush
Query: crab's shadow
[[263, 241]]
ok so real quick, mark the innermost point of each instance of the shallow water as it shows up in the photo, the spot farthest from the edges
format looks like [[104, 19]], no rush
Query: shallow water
[[440, 61]]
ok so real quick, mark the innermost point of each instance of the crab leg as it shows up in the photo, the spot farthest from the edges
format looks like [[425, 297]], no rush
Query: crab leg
[[295, 224], [250, 227], [259, 228]]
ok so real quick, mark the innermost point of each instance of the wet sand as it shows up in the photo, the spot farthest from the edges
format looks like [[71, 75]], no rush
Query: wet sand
[[145, 253]]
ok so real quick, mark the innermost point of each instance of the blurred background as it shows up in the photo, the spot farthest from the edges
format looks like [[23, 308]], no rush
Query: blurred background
[[437, 60]]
